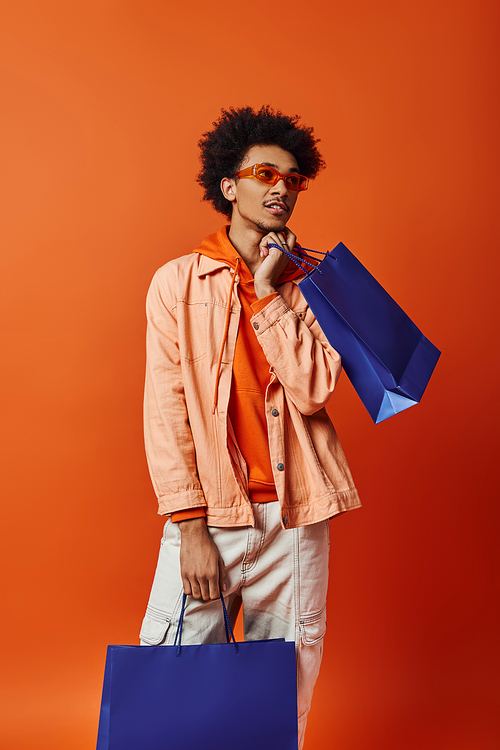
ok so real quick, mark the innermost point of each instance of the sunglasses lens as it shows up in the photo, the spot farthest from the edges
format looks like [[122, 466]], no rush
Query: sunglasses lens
[[267, 175], [293, 181], [296, 182]]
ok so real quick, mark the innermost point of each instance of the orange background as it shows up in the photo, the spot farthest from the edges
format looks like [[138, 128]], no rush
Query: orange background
[[103, 104]]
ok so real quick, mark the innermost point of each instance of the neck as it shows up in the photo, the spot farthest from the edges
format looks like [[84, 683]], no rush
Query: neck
[[246, 241]]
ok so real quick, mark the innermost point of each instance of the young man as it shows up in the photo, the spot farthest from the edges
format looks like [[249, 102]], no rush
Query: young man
[[242, 454]]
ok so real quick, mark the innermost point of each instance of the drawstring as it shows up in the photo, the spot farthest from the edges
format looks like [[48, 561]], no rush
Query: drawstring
[[226, 328]]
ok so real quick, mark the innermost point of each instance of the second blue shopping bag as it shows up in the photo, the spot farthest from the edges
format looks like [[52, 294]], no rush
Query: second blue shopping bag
[[206, 697]]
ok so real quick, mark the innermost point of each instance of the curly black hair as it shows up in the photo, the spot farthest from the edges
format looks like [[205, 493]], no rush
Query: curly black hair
[[236, 131]]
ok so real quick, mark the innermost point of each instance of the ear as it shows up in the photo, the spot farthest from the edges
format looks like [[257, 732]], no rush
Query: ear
[[227, 185]]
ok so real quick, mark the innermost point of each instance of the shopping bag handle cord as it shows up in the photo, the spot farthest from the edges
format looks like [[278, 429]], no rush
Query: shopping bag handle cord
[[227, 625], [299, 260]]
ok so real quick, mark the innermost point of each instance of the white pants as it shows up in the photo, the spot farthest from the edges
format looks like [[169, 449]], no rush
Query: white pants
[[281, 576]]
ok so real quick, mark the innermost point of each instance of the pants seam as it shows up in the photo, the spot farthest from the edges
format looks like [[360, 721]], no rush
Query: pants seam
[[296, 589], [248, 568]]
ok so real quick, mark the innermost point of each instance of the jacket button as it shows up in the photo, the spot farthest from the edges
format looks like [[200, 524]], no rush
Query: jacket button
[[274, 412], [285, 521], [280, 466], [256, 326]]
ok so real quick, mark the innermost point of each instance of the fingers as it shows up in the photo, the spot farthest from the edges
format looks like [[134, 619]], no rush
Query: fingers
[[207, 587], [198, 588], [187, 588], [222, 575], [277, 238], [213, 588], [200, 562], [202, 588], [285, 239], [290, 238]]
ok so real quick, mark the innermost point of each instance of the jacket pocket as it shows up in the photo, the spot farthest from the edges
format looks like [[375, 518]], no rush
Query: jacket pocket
[[192, 327], [313, 627]]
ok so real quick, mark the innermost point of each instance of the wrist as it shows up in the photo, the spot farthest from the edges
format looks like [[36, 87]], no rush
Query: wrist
[[263, 290], [193, 526]]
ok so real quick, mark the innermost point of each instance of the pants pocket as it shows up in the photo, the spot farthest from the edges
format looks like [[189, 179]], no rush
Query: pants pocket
[[313, 627], [154, 627], [166, 591]]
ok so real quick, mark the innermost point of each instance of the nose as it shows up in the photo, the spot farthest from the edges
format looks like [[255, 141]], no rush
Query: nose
[[280, 188]]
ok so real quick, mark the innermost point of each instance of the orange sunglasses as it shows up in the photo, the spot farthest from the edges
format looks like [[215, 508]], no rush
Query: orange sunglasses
[[271, 176]]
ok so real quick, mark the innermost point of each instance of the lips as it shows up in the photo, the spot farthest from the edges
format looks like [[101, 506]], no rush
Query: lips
[[277, 208]]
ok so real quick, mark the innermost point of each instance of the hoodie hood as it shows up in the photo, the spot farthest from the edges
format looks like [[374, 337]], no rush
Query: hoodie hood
[[218, 247]]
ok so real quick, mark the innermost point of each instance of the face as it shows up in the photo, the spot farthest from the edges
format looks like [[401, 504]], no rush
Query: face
[[255, 204]]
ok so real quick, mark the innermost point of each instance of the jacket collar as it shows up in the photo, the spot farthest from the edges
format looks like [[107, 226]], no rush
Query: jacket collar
[[207, 265]]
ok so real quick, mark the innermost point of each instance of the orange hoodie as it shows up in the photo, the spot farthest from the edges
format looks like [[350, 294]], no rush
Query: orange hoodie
[[250, 375]]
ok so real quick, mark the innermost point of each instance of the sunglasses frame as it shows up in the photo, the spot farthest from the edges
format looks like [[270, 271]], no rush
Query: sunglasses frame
[[252, 172]]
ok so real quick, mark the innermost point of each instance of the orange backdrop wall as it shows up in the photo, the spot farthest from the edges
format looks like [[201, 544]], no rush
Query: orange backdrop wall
[[103, 104]]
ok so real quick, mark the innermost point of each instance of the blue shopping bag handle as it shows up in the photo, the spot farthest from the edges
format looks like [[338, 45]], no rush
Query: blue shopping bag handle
[[300, 260], [227, 624]]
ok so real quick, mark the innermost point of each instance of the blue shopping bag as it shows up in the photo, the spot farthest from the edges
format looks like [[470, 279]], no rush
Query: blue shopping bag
[[385, 356], [201, 697]]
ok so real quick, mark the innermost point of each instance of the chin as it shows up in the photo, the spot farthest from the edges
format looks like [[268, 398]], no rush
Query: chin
[[271, 226]]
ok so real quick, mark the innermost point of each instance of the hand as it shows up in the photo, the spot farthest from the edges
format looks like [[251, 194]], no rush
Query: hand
[[202, 570], [274, 261]]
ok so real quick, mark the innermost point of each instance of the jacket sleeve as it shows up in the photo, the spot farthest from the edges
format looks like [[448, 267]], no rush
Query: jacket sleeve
[[169, 443], [306, 365]]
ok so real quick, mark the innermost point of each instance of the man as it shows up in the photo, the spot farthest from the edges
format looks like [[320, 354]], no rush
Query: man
[[242, 454]]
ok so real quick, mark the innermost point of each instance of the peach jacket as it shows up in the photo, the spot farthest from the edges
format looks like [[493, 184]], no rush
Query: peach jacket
[[193, 314]]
